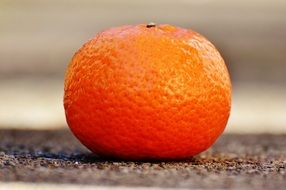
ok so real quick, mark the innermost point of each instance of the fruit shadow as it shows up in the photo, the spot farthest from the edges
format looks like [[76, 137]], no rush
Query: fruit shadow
[[58, 145]]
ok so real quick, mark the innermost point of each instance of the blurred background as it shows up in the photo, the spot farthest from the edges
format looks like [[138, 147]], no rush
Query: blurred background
[[38, 39]]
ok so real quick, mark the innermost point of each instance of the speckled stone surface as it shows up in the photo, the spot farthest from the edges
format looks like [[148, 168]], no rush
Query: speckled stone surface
[[234, 162]]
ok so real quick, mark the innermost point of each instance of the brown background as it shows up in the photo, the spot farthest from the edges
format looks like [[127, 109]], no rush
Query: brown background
[[38, 38]]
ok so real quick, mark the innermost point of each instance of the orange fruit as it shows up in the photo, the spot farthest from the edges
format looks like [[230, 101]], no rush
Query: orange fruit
[[147, 92]]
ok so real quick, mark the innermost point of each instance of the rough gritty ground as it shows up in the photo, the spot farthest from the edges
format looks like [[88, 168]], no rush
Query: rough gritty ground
[[235, 161]]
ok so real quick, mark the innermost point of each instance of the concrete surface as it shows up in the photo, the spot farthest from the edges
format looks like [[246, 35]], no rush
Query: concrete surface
[[55, 156]]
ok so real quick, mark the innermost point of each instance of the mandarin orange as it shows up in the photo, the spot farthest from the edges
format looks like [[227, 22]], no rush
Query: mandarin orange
[[147, 92]]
